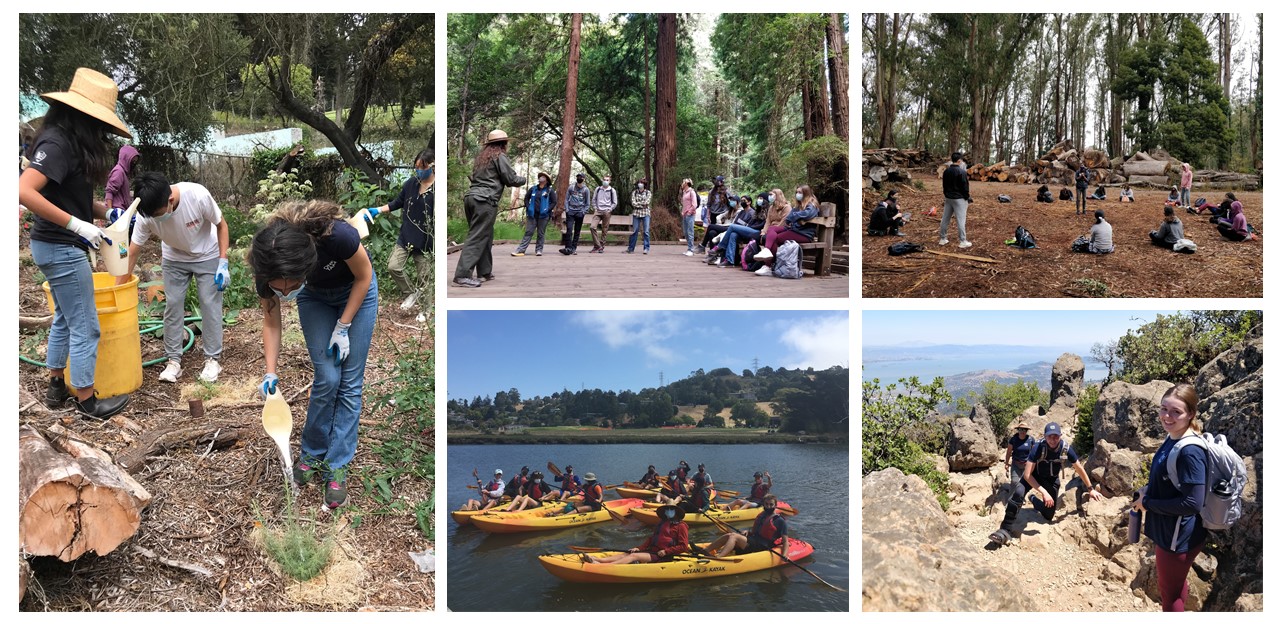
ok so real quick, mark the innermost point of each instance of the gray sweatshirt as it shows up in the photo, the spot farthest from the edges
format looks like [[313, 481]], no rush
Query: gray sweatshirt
[[1170, 232], [1100, 238], [606, 198]]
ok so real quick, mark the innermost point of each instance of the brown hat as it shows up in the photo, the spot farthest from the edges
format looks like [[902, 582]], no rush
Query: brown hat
[[662, 513], [94, 94], [497, 136], [1022, 424]]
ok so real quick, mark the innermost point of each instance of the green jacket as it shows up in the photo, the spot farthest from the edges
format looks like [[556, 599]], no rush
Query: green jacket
[[487, 184]]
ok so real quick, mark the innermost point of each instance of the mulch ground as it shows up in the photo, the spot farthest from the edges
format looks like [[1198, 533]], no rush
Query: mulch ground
[[1220, 268], [208, 503]]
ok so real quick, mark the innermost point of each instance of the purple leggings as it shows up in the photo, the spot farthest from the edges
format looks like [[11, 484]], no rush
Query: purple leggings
[[1171, 576], [779, 234]]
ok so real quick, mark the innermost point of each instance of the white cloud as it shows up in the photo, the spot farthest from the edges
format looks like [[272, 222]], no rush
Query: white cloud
[[644, 329], [819, 343]]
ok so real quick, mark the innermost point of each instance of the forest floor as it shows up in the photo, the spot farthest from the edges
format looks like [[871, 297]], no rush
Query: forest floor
[[1219, 268], [209, 505]]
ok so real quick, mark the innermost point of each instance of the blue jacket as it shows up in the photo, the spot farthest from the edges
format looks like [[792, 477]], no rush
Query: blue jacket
[[807, 230], [538, 202]]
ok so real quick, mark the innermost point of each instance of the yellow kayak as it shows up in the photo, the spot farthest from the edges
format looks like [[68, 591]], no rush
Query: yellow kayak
[[632, 492], [463, 516], [649, 515], [539, 520], [571, 567]]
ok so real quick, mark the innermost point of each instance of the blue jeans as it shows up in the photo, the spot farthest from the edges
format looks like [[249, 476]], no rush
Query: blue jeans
[[730, 241], [74, 332], [636, 223], [688, 231], [1186, 197], [333, 415]]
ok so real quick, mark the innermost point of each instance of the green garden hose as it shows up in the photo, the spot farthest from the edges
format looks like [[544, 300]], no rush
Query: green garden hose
[[146, 326]]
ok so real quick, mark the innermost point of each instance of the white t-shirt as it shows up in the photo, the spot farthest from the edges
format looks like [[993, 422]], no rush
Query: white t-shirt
[[191, 234]]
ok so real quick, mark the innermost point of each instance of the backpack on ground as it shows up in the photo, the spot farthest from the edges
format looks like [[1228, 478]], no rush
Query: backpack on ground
[[1225, 478], [1065, 195], [1022, 239], [1200, 201], [1184, 245], [902, 249], [748, 255], [1081, 244], [788, 261], [1004, 199]]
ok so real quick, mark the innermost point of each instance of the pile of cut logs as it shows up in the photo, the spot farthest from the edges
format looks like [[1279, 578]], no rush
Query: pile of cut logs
[[891, 165]]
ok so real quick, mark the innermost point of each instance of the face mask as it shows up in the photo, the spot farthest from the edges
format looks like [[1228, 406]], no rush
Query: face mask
[[423, 174], [759, 202], [640, 186], [733, 204], [606, 184], [670, 514], [537, 480], [291, 296], [770, 509], [164, 217], [799, 196]]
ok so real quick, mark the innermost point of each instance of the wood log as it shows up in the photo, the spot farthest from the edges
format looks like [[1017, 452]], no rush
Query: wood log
[[878, 173], [24, 571], [162, 441], [67, 442], [1140, 156], [68, 506], [1003, 176], [35, 322], [1152, 180], [1146, 167]]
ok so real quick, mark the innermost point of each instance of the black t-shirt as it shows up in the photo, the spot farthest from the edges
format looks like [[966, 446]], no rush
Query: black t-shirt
[[1021, 448], [1050, 462], [68, 187], [332, 253]]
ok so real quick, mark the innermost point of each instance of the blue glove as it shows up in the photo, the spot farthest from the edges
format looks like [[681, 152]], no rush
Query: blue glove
[[223, 276], [339, 344], [370, 214], [269, 382]]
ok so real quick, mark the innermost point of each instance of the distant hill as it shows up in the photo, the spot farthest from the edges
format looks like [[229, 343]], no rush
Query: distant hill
[[960, 385]]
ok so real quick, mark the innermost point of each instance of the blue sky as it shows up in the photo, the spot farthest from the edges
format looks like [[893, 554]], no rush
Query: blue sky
[[541, 352], [1022, 327]]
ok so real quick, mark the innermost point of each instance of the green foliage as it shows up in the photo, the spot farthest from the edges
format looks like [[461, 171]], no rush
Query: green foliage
[[257, 100], [1093, 287], [298, 552], [746, 414], [711, 421], [265, 161], [1006, 401], [276, 189], [357, 192], [1083, 442], [889, 414], [1174, 347], [424, 513]]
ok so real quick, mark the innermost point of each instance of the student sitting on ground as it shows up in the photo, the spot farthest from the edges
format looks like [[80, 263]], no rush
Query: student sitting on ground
[[1043, 195], [1235, 228], [1066, 195], [1100, 194], [886, 219], [1170, 230], [1221, 211], [1126, 194], [1099, 239], [1172, 199]]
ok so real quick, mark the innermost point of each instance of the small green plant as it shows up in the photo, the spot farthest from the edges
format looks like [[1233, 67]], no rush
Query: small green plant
[[1083, 442], [204, 390], [277, 188], [30, 347], [357, 192], [1093, 287], [425, 512], [293, 543], [918, 184]]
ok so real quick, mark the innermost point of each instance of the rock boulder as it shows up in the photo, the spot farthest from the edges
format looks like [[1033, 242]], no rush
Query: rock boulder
[[1117, 469], [970, 444], [1067, 381], [1127, 415]]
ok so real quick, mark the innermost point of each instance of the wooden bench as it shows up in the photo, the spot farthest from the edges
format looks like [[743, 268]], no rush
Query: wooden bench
[[823, 239], [618, 224]]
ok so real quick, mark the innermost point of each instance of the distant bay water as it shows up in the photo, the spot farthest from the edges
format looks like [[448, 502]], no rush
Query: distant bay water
[[890, 363]]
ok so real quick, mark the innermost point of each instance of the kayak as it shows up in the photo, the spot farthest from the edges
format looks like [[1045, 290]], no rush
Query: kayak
[[571, 567], [630, 492], [463, 516], [650, 516], [539, 520]]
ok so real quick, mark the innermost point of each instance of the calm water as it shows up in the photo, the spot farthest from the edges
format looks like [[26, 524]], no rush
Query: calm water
[[502, 573]]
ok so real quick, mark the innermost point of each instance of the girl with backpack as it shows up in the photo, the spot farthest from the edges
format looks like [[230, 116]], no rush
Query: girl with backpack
[[1173, 522]]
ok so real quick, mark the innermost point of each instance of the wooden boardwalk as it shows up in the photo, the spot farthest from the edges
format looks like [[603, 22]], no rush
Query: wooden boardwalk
[[664, 272]]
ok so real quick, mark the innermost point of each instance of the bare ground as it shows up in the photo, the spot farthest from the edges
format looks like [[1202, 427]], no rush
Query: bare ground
[[1220, 268]]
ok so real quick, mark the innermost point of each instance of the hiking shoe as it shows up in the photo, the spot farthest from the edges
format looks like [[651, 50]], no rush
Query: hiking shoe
[[56, 395], [468, 282], [629, 251], [171, 371], [409, 301], [965, 245], [487, 278], [565, 252], [335, 493], [211, 370], [101, 409], [943, 241], [646, 251], [517, 254], [689, 253], [1000, 537], [719, 262], [303, 473]]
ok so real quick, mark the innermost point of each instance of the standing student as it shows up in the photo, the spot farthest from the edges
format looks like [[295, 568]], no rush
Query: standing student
[[69, 157], [1185, 184], [308, 253], [605, 200], [119, 190], [688, 210], [641, 197], [491, 174], [1082, 185], [577, 201], [538, 203], [956, 199], [193, 246], [417, 198], [1173, 521]]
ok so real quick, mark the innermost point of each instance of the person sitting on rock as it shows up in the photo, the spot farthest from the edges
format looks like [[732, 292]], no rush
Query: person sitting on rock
[[1016, 451], [1126, 195], [1043, 473], [1043, 195]]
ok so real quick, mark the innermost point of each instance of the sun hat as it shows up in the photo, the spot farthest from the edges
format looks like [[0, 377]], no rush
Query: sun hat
[[1022, 424], [497, 136], [94, 94], [662, 512], [590, 476]]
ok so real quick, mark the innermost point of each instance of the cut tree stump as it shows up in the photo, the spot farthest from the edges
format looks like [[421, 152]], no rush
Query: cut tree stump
[[68, 505]]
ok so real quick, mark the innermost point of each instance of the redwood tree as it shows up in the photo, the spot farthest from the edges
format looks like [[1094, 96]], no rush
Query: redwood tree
[[838, 68], [570, 112], [665, 92]]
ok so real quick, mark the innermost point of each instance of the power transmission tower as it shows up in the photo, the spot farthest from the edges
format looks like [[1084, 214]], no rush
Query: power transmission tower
[[660, 381], [755, 365]]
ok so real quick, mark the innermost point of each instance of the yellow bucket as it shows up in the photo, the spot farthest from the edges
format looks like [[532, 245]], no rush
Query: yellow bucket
[[119, 369]]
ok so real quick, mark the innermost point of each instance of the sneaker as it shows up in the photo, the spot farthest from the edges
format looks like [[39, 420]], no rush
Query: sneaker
[[56, 395], [574, 252], [171, 372], [537, 253], [899, 234], [467, 282], [629, 251], [211, 370], [689, 253], [517, 254], [409, 301], [488, 278], [335, 494], [646, 252], [766, 271], [965, 245], [101, 409], [566, 252], [700, 249], [719, 262], [303, 473], [943, 241]]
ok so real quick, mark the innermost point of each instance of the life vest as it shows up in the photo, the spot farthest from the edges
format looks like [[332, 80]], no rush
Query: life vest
[[671, 537], [571, 484], [537, 490], [593, 493], [766, 528], [758, 491], [492, 488]]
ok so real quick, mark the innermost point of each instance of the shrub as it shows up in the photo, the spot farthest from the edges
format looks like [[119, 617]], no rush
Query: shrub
[[889, 415], [1174, 347], [1005, 402], [1083, 443]]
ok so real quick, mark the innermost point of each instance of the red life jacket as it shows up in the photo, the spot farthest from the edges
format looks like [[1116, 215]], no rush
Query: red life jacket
[[537, 490], [593, 493], [766, 528], [758, 491], [670, 537]]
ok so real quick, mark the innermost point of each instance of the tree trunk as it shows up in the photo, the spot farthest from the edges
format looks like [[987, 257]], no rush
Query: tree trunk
[[806, 107], [838, 69], [570, 114], [822, 103], [665, 91], [69, 505], [648, 118], [1224, 53]]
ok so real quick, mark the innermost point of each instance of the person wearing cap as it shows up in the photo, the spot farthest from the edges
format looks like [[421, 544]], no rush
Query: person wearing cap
[[532, 494], [769, 532], [669, 538], [577, 201], [418, 199], [69, 157], [763, 483], [490, 175], [688, 212], [490, 493], [641, 197], [674, 490], [1099, 240], [699, 498], [513, 486], [605, 199], [194, 240], [592, 497], [650, 478], [1017, 449], [1043, 472], [570, 484], [538, 203]]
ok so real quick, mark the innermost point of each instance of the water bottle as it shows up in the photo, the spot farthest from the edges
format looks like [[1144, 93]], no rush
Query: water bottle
[[1135, 525]]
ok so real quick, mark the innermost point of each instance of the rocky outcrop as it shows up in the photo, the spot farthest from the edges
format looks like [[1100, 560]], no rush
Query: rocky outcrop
[[1067, 381], [1118, 470], [970, 444], [1126, 415], [1231, 366], [913, 561]]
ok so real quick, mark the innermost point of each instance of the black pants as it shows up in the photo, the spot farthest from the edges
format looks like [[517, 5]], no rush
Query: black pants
[[1052, 488], [1228, 233], [712, 230], [1159, 241], [1017, 496], [1081, 201], [573, 229]]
